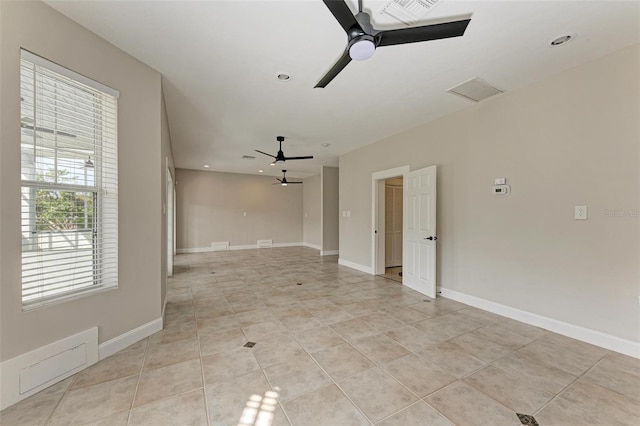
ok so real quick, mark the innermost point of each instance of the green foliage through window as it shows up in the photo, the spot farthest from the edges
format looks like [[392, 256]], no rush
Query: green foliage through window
[[58, 210]]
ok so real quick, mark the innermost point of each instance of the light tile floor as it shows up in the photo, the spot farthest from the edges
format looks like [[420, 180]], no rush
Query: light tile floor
[[393, 273], [334, 346]]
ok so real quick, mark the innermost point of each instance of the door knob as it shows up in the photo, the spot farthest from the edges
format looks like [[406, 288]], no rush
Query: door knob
[[431, 238]]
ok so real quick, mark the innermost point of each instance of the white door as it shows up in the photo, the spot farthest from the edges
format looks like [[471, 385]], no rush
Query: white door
[[419, 226]]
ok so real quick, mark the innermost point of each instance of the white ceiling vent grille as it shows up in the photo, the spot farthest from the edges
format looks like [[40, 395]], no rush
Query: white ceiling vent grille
[[408, 11], [475, 89]]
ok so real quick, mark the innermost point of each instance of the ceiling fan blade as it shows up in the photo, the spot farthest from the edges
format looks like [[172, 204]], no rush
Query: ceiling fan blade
[[424, 33], [335, 70], [279, 180], [307, 157], [273, 156], [342, 13], [294, 182]]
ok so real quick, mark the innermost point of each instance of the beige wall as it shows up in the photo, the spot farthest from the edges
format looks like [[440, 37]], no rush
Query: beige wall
[[312, 210], [210, 207], [330, 213], [570, 140], [166, 158], [40, 29]]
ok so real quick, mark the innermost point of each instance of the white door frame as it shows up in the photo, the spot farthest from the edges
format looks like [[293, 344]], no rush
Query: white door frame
[[377, 216], [171, 222]]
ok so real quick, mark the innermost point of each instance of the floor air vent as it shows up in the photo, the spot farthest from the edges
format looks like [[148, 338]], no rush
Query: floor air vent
[[220, 246], [265, 243], [475, 90]]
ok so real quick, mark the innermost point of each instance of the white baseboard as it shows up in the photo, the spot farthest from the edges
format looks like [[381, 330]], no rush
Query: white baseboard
[[356, 266], [194, 250], [239, 247], [329, 252], [29, 373], [598, 338], [120, 342], [244, 247], [313, 246], [287, 244]]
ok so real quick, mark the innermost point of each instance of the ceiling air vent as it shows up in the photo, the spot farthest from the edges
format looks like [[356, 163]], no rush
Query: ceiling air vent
[[408, 11], [248, 157], [475, 89]]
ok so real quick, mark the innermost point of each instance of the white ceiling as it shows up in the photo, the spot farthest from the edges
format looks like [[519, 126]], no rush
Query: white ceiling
[[220, 59]]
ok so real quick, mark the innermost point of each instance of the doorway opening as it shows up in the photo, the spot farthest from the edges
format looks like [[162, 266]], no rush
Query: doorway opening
[[387, 221], [393, 228]]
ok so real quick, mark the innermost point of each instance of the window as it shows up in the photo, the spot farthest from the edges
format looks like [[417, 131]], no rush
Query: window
[[69, 183]]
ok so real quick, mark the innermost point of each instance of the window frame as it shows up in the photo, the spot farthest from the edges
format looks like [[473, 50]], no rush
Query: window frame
[[104, 262]]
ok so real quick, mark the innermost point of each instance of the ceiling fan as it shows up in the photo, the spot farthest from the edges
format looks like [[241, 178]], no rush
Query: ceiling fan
[[363, 39], [280, 157], [284, 181]]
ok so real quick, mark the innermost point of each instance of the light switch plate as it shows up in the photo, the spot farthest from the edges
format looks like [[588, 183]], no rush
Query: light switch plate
[[580, 213]]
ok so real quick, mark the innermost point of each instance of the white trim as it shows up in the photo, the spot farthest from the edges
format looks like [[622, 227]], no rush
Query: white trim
[[120, 342], [356, 266], [245, 247], [239, 247], [287, 244], [52, 66], [313, 246], [329, 252], [194, 250], [375, 177], [598, 338], [47, 365]]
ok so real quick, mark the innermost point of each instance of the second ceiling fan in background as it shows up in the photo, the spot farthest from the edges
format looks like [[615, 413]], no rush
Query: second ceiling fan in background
[[363, 39], [284, 181]]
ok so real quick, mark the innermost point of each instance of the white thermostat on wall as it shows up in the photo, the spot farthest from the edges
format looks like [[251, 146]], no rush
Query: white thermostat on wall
[[501, 190]]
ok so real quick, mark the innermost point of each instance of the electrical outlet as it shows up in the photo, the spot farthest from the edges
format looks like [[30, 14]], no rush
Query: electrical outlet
[[580, 213]]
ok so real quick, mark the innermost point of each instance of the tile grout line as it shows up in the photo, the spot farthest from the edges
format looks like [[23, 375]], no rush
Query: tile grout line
[[67, 390], [264, 373], [135, 392], [204, 383], [558, 395]]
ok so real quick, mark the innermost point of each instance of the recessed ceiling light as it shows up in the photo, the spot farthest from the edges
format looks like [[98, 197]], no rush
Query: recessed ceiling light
[[561, 40], [206, 166], [326, 145], [260, 171], [284, 77]]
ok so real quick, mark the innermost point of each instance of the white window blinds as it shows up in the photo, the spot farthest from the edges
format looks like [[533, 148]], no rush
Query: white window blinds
[[69, 183]]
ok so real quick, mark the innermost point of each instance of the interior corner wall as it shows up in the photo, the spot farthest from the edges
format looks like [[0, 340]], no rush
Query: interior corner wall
[[166, 160], [43, 31], [312, 208], [330, 209], [211, 207], [572, 139]]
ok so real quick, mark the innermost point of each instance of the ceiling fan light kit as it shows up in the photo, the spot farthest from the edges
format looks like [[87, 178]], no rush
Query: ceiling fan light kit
[[362, 47], [363, 39]]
